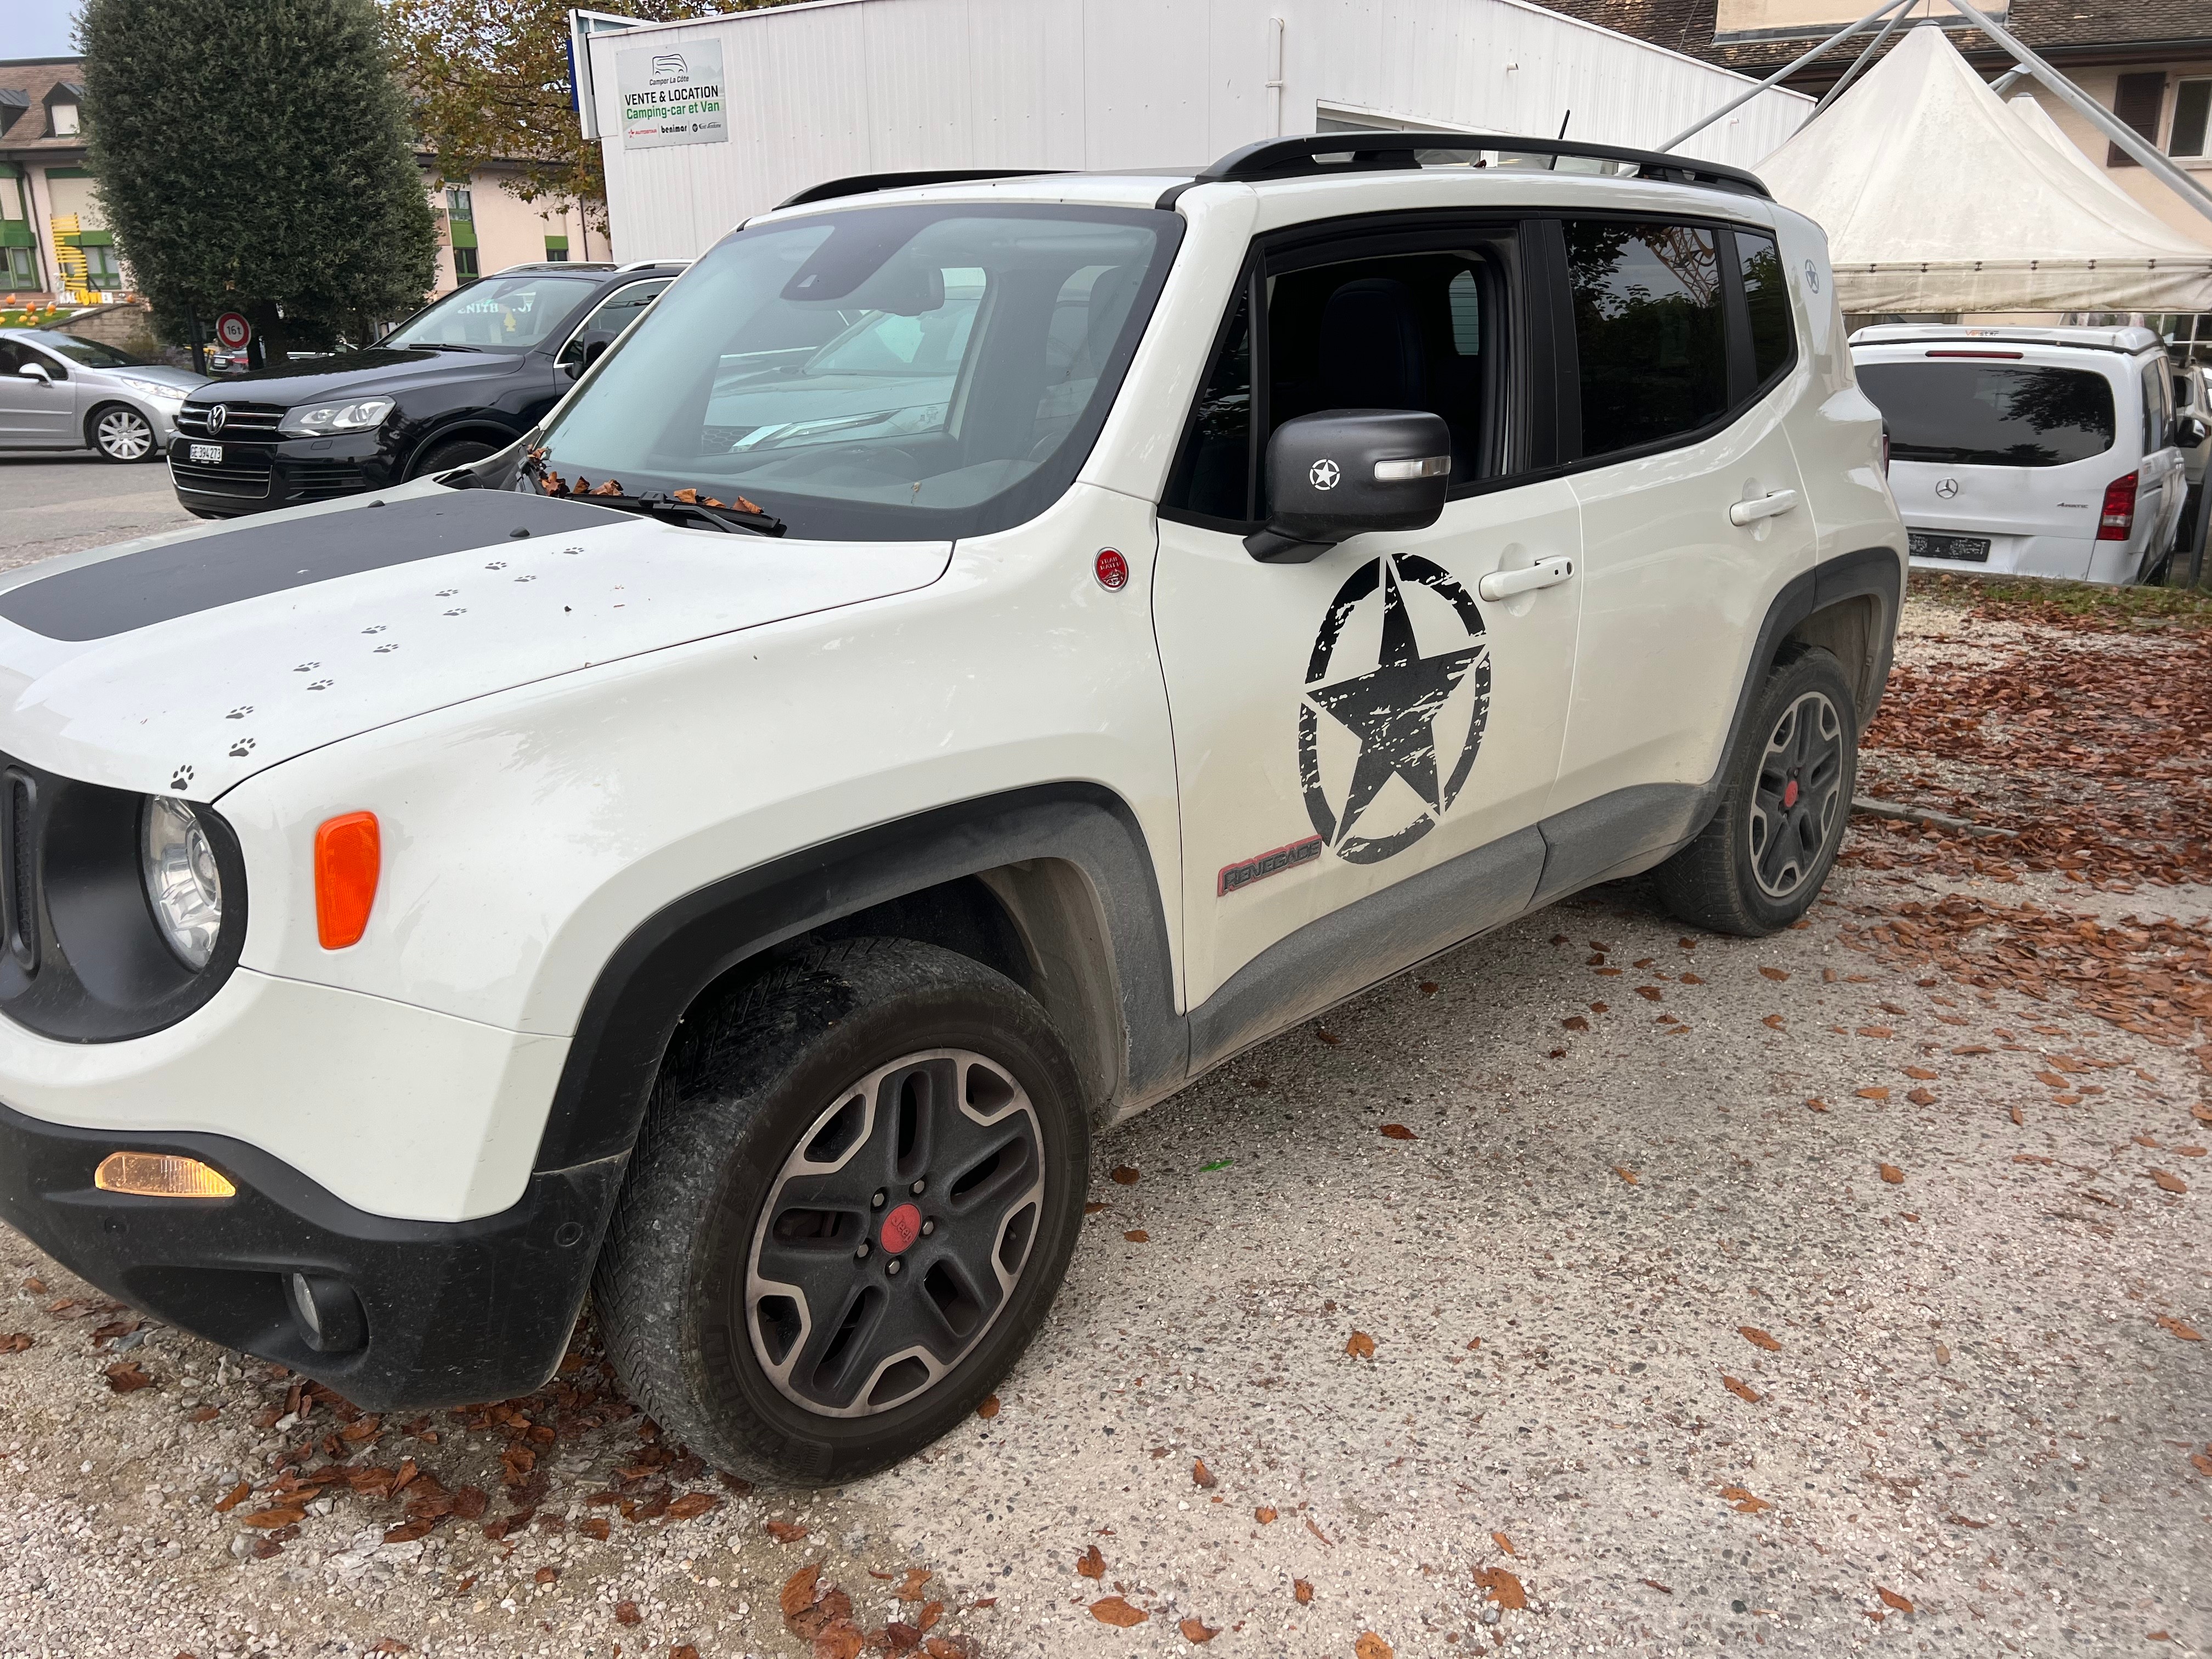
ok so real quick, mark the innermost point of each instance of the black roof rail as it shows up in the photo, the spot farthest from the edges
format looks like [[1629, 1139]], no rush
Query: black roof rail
[[1379, 151], [861, 184]]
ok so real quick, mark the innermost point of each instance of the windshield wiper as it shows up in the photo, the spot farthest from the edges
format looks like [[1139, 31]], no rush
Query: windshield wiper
[[435, 345], [654, 505]]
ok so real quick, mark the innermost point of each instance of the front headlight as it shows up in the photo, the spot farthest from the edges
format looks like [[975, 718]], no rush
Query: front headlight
[[159, 390], [326, 418], [182, 883]]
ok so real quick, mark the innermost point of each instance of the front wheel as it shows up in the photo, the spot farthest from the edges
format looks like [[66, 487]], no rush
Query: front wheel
[[1786, 796], [122, 433], [447, 456], [860, 1183]]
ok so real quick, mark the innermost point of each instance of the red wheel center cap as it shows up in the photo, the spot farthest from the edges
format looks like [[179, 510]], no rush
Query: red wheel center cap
[[901, 1228], [1790, 794]]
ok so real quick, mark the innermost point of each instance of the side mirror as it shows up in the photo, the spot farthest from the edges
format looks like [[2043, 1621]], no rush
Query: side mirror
[[1334, 476], [2190, 430], [33, 372]]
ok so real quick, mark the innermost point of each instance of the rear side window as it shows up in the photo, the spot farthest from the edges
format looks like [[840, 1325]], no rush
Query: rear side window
[[1766, 297], [1650, 329], [1982, 414], [2158, 405]]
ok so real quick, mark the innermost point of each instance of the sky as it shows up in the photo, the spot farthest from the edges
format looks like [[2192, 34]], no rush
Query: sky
[[37, 28]]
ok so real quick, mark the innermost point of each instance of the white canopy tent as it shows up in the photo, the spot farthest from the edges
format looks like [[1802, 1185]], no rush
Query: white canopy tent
[[1938, 197]]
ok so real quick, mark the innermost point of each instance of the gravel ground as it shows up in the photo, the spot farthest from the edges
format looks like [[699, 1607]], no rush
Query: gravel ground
[[1595, 1287]]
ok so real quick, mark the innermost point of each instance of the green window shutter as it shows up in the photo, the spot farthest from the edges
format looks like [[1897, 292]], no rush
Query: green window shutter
[[93, 239], [69, 173], [553, 242], [463, 231], [15, 233]]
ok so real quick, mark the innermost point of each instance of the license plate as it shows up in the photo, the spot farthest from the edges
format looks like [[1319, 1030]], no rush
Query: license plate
[[207, 454], [1974, 549]]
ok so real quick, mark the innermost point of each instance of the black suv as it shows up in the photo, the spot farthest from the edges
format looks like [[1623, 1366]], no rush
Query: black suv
[[466, 375]]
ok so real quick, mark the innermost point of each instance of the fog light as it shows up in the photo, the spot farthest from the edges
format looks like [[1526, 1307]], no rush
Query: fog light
[[328, 1313], [160, 1175]]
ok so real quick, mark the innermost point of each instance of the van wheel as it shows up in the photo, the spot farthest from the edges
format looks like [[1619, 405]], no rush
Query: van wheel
[[1759, 864], [861, 1180]]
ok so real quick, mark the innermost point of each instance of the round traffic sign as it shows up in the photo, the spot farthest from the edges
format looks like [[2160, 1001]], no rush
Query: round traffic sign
[[232, 331]]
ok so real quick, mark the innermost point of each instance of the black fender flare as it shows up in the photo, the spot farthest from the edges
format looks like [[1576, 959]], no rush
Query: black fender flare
[[671, 956], [475, 424]]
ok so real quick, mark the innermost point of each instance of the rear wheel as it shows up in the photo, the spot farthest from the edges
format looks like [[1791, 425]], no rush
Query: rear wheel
[[859, 1184], [1759, 864], [120, 432]]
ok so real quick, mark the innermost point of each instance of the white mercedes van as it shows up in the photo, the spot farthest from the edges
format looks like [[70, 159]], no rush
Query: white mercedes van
[[2034, 451]]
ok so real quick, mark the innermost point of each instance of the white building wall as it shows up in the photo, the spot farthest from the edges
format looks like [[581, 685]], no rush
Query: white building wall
[[837, 87]]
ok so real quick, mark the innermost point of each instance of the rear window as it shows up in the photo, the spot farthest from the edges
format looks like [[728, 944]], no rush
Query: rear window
[[1985, 414]]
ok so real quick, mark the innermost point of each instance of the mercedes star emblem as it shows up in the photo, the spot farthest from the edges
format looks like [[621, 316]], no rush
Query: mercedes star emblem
[[1324, 474], [1947, 488]]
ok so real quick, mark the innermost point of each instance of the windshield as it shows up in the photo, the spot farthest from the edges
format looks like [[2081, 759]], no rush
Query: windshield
[[90, 353], [498, 313], [1984, 414], [883, 372]]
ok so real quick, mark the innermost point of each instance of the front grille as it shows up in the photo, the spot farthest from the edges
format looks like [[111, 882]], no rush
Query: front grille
[[248, 482], [315, 481], [240, 420], [19, 851]]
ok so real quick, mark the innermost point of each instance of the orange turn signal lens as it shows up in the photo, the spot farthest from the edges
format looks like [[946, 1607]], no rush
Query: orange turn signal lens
[[160, 1174], [348, 856]]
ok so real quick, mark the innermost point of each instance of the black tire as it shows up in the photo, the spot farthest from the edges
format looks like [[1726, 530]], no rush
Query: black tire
[[120, 434], [1759, 864], [446, 457], [722, 1359]]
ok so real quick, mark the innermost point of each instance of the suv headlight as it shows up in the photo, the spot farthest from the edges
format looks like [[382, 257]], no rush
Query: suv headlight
[[183, 885], [324, 418]]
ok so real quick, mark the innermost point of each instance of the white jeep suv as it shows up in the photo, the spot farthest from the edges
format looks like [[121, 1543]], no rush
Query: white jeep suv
[[979, 654]]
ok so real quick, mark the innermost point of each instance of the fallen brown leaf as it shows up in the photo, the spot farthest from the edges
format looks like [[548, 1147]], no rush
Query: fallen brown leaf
[[1920, 1071], [1361, 1346], [1329, 1037], [1758, 1339], [1775, 974], [1197, 1632], [1124, 1176], [1773, 1022], [1743, 1502], [693, 1505], [1398, 1132], [1663, 1589], [1502, 1587], [911, 1590], [786, 1532], [626, 1612], [125, 1377], [1091, 1564], [1137, 1235], [1628, 1176], [1264, 1516], [1922, 1097], [1202, 1476], [1301, 1592], [1891, 1599], [1371, 1646], [1873, 1094], [1892, 1173], [1740, 1388], [1575, 1023], [267, 1519], [989, 1408], [231, 1499], [2187, 1333], [1113, 1610], [1504, 1543], [2169, 1181]]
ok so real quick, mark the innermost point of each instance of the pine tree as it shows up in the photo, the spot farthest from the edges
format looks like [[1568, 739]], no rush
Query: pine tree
[[255, 155]]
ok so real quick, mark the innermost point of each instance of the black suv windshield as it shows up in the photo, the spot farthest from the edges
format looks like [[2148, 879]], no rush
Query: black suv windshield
[[884, 373], [499, 314], [1983, 413]]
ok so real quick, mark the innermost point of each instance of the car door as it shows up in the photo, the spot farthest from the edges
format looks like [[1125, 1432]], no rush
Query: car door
[[2160, 479], [33, 414], [1362, 742], [1693, 516]]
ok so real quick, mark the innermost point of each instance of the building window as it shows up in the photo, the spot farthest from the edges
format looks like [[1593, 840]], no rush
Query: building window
[[465, 264], [2137, 100], [101, 269], [65, 119], [556, 250], [458, 204], [2193, 114], [15, 268]]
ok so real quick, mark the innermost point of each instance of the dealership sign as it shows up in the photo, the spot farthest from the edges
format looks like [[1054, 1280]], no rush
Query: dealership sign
[[671, 94]]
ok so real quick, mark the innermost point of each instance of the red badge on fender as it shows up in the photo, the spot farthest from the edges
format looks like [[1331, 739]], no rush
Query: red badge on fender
[[1113, 570], [901, 1228]]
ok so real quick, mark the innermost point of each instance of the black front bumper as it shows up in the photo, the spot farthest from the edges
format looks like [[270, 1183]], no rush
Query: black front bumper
[[455, 1312], [260, 476]]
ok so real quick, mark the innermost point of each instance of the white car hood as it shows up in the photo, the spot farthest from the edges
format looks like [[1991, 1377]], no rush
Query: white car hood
[[184, 666]]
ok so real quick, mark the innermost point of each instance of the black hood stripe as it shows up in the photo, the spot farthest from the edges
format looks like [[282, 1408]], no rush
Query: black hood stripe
[[138, 590]]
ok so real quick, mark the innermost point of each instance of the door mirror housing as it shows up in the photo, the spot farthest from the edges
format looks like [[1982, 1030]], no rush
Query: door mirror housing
[[2190, 430], [33, 372], [1341, 473]]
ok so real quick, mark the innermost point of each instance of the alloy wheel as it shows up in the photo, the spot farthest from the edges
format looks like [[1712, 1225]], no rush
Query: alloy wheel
[[1798, 799], [122, 434], [894, 1234]]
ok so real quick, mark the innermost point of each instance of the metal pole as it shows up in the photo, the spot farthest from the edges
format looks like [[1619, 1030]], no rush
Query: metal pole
[[1784, 73], [2005, 82], [1858, 64], [2094, 112]]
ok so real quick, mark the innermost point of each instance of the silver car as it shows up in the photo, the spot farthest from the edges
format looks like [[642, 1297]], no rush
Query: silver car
[[60, 391]]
